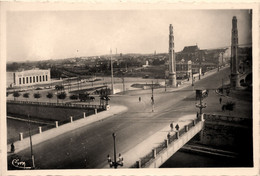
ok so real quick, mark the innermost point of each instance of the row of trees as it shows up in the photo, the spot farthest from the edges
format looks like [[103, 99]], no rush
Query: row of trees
[[61, 95]]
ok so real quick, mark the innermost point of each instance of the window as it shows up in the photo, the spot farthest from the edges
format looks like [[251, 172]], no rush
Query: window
[[42, 77], [37, 79], [34, 79], [27, 80], [30, 79], [20, 80], [23, 80], [46, 77]]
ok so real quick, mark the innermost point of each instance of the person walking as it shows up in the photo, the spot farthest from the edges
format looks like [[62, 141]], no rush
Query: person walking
[[177, 127], [140, 99], [220, 100], [171, 125], [12, 148]]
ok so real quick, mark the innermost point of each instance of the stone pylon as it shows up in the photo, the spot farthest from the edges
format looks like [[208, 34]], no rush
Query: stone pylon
[[172, 62], [234, 78]]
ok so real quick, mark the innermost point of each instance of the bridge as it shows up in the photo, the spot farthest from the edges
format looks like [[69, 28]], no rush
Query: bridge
[[171, 145], [212, 130]]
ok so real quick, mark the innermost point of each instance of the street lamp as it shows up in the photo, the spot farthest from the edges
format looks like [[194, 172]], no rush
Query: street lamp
[[152, 98], [116, 162], [201, 106]]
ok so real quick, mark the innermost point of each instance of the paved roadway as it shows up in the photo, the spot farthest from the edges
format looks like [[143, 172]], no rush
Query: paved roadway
[[87, 147]]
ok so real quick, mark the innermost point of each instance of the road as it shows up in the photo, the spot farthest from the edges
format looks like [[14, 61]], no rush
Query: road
[[87, 147]]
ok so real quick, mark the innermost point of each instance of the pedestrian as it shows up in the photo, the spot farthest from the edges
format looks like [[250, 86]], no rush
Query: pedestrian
[[140, 99], [177, 127], [171, 125], [220, 100], [12, 148], [197, 115]]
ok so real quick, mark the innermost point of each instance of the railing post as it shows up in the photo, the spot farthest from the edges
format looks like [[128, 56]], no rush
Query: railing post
[[177, 134], [138, 163], [154, 153], [95, 111], [56, 123], [21, 136], [166, 142], [71, 119], [40, 129], [84, 115], [186, 128]]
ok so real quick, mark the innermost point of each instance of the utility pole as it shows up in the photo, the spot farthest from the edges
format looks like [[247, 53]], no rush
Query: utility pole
[[165, 83], [112, 86], [32, 156], [152, 99]]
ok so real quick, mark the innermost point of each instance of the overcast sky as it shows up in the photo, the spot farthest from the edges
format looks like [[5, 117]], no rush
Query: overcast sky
[[41, 35]]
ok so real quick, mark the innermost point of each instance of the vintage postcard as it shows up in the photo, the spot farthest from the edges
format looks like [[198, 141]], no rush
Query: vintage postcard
[[129, 88]]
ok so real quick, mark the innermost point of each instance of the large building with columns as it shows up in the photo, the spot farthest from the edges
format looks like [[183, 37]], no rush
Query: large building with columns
[[31, 77]]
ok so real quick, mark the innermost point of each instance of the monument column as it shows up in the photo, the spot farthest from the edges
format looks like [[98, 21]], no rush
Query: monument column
[[172, 64], [234, 79]]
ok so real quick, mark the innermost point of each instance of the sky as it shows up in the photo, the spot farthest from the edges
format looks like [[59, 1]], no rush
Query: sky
[[43, 35]]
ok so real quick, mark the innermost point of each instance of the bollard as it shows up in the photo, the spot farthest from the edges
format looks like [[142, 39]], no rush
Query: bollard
[[186, 128], [71, 119], [166, 142], [177, 135], [40, 129], [138, 163], [56, 123], [95, 111], [194, 123], [84, 115], [154, 153], [21, 136]]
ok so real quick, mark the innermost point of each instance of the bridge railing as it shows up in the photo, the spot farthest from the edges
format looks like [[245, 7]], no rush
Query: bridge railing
[[58, 104], [162, 146]]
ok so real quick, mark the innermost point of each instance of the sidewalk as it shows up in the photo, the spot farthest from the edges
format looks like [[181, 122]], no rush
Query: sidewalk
[[49, 134], [146, 146]]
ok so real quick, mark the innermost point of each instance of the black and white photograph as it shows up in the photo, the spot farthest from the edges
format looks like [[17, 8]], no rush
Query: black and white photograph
[[153, 89]]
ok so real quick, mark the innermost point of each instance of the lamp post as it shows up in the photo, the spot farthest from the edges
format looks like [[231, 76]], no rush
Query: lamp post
[[32, 156], [115, 163], [152, 98], [201, 106]]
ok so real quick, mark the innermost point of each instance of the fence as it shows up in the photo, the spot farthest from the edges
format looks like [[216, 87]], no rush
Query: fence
[[238, 120], [162, 146], [58, 104], [38, 125]]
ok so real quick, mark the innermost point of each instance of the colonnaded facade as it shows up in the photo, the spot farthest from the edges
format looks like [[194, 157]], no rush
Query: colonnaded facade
[[31, 77]]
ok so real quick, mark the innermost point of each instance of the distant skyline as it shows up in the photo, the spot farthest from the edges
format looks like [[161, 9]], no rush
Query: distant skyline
[[43, 35]]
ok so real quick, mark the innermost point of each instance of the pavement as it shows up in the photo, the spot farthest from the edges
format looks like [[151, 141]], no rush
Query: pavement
[[146, 146], [54, 132]]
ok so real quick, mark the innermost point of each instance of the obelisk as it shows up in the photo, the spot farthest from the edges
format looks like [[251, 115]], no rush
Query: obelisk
[[172, 64], [234, 79]]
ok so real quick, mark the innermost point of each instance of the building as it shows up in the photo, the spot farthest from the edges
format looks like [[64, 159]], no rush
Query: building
[[183, 69], [31, 77]]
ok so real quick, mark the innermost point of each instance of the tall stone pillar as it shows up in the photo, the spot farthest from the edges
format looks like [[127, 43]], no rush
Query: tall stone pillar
[[172, 64], [234, 78]]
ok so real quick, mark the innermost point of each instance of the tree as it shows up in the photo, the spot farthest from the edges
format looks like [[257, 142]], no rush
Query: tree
[[37, 96], [74, 97], [230, 106], [16, 95], [49, 95], [26, 95], [62, 95]]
